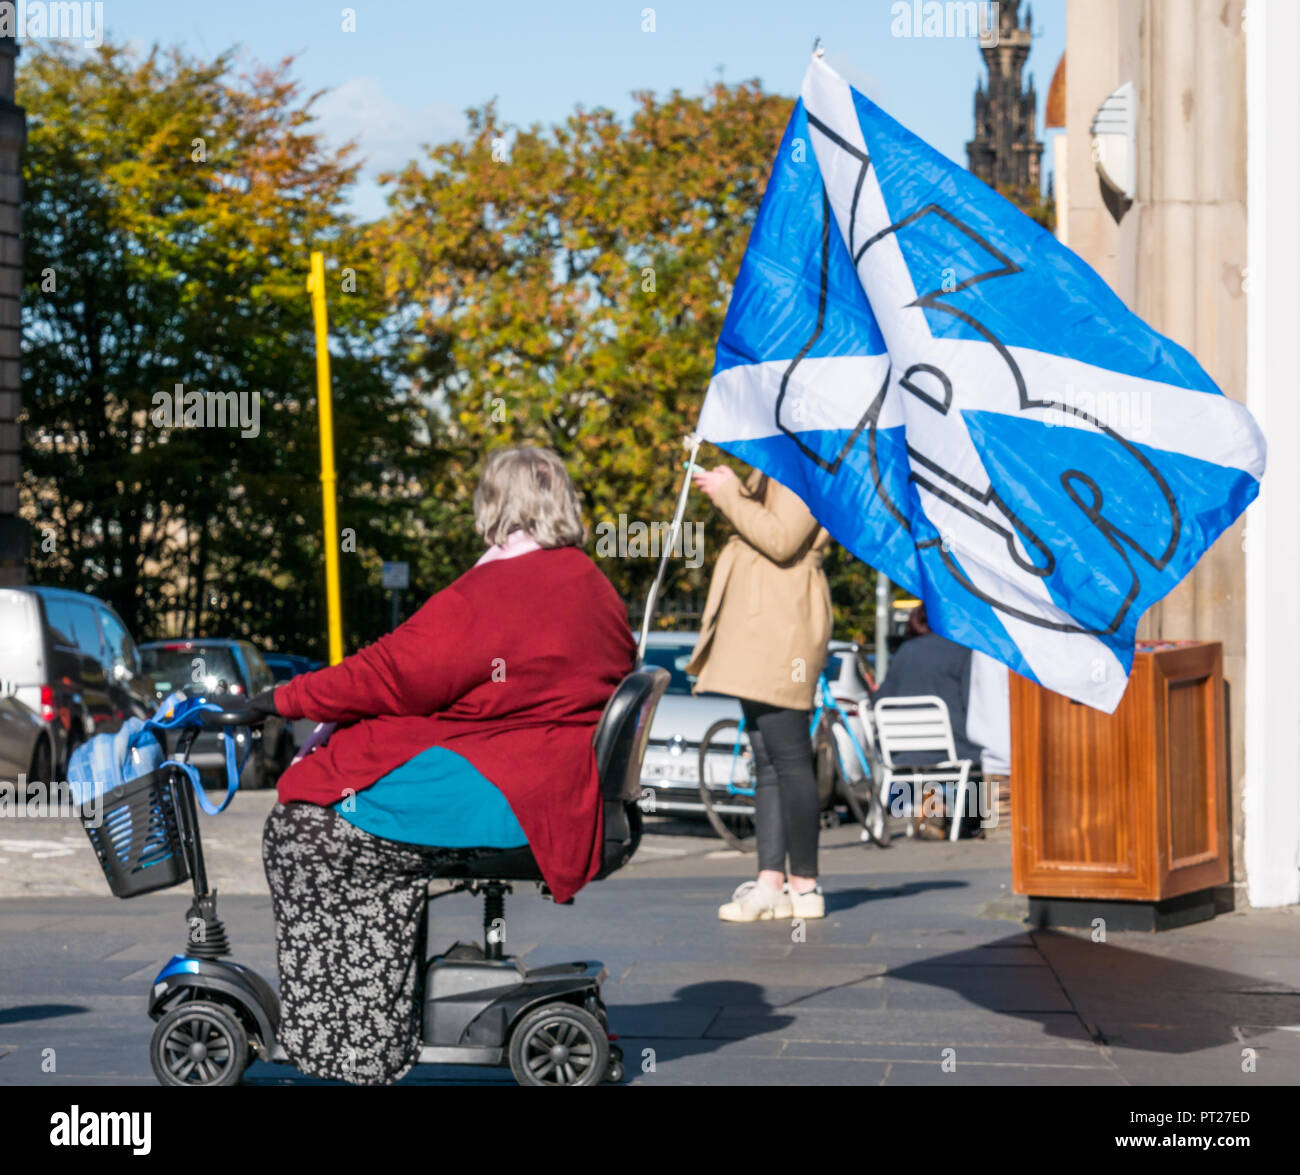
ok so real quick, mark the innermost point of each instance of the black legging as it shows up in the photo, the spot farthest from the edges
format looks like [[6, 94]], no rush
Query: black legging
[[786, 807]]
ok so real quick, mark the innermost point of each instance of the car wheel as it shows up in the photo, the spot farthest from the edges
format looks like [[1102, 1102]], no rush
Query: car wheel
[[72, 744], [253, 776], [42, 768]]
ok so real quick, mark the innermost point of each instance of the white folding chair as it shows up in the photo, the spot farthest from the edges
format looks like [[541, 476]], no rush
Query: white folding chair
[[921, 724]]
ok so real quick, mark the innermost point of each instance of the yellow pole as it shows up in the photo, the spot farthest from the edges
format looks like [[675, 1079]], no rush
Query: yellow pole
[[328, 479]]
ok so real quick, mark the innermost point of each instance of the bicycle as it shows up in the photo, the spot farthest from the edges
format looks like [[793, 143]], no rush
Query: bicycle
[[727, 777]]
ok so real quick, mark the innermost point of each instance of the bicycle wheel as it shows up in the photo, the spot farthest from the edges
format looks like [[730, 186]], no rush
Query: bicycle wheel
[[873, 818], [731, 816], [863, 798], [826, 764]]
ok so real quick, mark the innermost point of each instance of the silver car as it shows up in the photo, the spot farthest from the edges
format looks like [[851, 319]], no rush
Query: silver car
[[25, 747], [670, 772]]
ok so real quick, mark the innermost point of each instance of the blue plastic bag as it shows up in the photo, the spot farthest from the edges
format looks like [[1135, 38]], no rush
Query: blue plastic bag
[[107, 761], [110, 760]]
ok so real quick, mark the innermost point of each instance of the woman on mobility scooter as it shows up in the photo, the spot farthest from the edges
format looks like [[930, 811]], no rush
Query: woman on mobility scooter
[[465, 731]]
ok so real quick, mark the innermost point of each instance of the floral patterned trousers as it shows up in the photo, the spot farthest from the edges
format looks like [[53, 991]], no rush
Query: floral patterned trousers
[[349, 915]]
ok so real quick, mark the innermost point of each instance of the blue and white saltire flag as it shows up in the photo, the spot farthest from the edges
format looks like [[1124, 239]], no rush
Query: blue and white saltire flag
[[965, 405]]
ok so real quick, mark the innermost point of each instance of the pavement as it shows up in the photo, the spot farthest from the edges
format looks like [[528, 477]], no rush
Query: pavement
[[922, 973]]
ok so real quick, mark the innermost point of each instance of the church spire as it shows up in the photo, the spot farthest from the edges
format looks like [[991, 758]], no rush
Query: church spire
[[1006, 152]]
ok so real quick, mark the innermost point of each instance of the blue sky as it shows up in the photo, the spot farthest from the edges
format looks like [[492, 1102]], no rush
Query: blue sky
[[408, 71]]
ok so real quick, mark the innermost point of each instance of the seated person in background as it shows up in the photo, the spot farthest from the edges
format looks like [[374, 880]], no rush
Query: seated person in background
[[466, 730], [929, 664]]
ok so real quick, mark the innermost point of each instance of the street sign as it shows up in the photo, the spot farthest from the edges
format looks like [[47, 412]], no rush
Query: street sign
[[396, 576]]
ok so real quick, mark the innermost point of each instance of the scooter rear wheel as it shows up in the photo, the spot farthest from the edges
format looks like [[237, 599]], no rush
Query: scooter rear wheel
[[559, 1044], [199, 1043]]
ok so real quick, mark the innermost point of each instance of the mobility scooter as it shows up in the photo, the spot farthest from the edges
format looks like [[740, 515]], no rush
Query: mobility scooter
[[480, 1006]]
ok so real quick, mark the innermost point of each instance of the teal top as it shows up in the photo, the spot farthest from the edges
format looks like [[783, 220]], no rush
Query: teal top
[[436, 798]]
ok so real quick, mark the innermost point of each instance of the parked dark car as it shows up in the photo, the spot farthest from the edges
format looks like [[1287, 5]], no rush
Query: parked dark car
[[68, 670], [286, 666], [222, 669]]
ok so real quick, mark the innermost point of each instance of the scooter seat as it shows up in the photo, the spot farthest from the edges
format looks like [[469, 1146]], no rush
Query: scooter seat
[[622, 836], [619, 742]]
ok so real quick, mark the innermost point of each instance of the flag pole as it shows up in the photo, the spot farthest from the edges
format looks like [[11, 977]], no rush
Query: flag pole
[[692, 442]]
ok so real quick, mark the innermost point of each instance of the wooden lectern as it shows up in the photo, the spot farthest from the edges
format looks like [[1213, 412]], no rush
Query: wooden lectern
[[1123, 816]]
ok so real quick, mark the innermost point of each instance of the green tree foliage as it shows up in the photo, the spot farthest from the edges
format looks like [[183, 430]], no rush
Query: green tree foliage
[[170, 208]]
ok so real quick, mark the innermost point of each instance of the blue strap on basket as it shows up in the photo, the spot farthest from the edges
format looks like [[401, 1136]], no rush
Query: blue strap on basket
[[181, 710], [109, 760]]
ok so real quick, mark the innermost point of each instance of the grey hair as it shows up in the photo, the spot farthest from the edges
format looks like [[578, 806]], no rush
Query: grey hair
[[526, 488]]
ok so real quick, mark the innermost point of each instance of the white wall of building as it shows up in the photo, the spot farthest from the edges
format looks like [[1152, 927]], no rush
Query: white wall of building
[[1271, 795]]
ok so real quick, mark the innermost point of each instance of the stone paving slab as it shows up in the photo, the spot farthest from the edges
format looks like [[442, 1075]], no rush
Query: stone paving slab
[[778, 1070], [937, 1029], [924, 986], [792, 972], [1055, 1055], [978, 1076]]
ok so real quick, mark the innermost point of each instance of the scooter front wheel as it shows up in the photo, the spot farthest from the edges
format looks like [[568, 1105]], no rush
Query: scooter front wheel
[[199, 1043], [559, 1044]]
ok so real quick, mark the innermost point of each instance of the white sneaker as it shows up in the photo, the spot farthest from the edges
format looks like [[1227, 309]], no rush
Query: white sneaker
[[808, 905], [753, 902]]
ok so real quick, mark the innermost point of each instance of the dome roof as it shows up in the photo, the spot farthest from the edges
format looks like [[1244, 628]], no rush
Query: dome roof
[[1054, 114]]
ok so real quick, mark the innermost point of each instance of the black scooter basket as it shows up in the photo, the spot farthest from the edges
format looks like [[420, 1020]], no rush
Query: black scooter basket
[[136, 835]]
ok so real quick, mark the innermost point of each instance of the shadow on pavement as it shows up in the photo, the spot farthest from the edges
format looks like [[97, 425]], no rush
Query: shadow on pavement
[[1122, 998], [26, 1013], [847, 899]]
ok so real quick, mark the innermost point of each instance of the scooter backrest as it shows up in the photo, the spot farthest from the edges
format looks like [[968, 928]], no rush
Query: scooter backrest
[[623, 731]]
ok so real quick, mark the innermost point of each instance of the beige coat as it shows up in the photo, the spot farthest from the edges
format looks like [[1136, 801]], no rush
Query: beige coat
[[768, 615]]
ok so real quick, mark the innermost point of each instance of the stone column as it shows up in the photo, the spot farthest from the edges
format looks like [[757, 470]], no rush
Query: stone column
[[1191, 260]]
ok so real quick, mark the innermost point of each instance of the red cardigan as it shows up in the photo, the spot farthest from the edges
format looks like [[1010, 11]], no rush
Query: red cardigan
[[510, 667]]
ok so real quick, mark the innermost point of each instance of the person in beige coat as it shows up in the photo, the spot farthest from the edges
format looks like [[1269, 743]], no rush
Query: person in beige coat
[[763, 640]]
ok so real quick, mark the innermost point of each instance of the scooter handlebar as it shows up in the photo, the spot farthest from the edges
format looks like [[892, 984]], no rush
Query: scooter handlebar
[[234, 716]]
